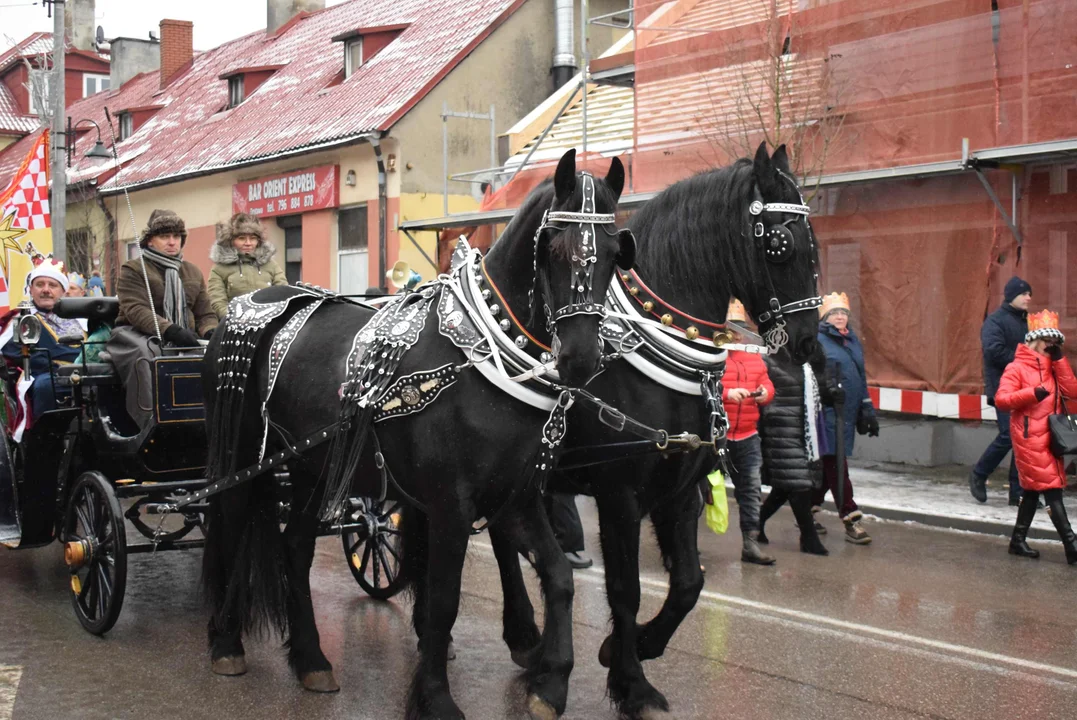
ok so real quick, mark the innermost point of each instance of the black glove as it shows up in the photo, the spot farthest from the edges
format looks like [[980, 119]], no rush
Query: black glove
[[180, 337], [866, 422], [208, 335], [1054, 352], [1041, 394]]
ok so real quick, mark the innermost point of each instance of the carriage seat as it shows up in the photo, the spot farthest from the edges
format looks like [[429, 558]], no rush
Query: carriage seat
[[97, 309]]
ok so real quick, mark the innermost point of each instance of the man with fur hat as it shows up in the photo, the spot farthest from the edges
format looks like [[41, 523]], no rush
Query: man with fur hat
[[46, 284], [177, 297], [242, 262], [1002, 332]]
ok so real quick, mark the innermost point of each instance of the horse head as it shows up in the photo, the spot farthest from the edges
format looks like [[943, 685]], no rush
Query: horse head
[[577, 249], [782, 298]]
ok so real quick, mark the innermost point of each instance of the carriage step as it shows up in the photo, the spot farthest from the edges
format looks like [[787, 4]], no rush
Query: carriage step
[[166, 509]]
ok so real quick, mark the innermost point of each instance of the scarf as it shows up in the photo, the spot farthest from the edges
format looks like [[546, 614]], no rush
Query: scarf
[[175, 301], [812, 411], [61, 326]]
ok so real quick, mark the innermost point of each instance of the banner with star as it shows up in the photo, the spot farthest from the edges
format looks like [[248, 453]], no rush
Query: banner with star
[[25, 224]]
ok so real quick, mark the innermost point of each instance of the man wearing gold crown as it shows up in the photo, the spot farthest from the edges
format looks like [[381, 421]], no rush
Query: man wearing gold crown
[[1002, 332], [1034, 387], [845, 363], [46, 283]]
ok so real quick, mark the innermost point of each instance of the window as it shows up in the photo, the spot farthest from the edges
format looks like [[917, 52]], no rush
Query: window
[[93, 84], [353, 269], [353, 56], [80, 242], [127, 125], [39, 92], [235, 90]]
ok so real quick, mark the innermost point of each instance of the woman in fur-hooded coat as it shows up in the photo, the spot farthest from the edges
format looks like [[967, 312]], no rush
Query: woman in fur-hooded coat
[[242, 262]]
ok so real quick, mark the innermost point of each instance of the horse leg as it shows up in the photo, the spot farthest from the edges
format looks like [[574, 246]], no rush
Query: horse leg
[[429, 696], [552, 660], [519, 632], [676, 525], [224, 529], [304, 644], [619, 530]]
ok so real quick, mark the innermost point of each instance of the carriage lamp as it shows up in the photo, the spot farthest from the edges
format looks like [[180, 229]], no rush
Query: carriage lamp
[[28, 330]]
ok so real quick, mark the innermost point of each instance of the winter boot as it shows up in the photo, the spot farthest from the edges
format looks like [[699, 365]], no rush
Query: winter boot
[[775, 499], [978, 487], [1025, 513], [1062, 525], [854, 531], [752, 553], [810, 543], [820, 529]]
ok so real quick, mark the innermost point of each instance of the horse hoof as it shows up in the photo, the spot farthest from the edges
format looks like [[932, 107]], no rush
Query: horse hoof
[[521, 658], [605, 653], [321, 681], [539, 709], [450, 652], [230, 665]]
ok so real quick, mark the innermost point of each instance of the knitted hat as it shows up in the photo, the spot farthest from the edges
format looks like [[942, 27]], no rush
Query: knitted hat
[[164, 222], [736, 312], [50, 268], [1014, 287], [832, 302], [1044, 326]]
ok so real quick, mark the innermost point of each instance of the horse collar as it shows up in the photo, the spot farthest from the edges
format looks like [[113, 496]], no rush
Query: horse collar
[[668, 314]]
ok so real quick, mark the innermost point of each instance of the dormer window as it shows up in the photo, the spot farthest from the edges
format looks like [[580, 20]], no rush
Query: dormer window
[[127, 125], [353, 55], [235, 90]]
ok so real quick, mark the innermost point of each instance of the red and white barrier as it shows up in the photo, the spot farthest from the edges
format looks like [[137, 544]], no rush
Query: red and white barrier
[[932, 404]]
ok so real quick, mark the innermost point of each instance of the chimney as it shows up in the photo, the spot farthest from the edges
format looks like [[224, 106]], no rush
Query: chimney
[[79, 21], [177, 47], [129, 57], [279, 12]]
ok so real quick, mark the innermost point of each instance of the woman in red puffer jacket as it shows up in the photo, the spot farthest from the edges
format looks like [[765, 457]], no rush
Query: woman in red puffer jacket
[[1032, 389]]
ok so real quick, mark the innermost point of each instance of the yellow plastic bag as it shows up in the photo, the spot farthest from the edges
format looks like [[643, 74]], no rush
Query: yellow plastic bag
[[718, 508]]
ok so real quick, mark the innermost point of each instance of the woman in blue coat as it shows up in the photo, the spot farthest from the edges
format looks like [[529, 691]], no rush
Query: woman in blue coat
[[845, 363]]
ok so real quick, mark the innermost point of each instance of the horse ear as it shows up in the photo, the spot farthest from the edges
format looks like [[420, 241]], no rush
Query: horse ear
[[564, 180], [763, 169], [780, 159], [615, 178], [626, 256]]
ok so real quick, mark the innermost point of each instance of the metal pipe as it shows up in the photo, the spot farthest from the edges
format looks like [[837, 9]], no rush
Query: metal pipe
[[383, 204], [585, 70], [58, 206], [445, 157], [493, 141], [564, 60]]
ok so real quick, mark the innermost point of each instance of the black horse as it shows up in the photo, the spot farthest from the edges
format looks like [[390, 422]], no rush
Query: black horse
[[738, 231], [473, 452]]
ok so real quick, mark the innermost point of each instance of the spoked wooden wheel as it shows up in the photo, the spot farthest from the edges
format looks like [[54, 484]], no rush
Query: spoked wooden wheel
[[96, 552], [374, 556]]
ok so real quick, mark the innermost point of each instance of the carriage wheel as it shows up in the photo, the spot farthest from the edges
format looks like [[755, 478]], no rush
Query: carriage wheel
[[96, 552], [375, 556]]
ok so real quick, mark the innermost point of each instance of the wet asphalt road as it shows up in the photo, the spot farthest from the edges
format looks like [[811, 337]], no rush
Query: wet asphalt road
[[922, 623]]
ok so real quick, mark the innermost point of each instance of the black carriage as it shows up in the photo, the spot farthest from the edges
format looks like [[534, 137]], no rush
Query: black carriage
[[84, 473]]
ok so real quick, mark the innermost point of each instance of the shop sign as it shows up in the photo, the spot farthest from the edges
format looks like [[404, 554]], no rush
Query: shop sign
[[290, 193]]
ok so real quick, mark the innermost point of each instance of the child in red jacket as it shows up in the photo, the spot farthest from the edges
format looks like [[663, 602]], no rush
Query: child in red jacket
[[1032, 389], [746, 387]]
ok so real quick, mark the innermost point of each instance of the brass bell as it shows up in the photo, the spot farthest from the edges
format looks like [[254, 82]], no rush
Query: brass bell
[[667, 319], [633, 291], [692, 332], [648, 306], [722, 337], [626, 277]]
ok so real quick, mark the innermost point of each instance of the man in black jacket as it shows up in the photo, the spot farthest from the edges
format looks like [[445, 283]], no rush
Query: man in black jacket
[[1002, 332]]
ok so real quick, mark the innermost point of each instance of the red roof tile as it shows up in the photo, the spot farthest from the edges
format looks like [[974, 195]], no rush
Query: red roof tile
[[12, 121], [40, 43], [296, 108]]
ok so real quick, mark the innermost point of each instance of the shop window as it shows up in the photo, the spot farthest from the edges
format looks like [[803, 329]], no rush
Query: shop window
[[93, 84], [353, 267], [235, 90], [353, 56]]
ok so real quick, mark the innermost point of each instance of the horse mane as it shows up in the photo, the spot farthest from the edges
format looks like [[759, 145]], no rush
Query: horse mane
[[692, 234]]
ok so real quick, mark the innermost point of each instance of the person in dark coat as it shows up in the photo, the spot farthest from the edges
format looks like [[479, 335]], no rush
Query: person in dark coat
[[791, 428], [1002, 332], [845, 363]]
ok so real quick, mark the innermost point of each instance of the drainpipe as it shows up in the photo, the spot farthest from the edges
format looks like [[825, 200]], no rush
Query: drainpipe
[[564, 60], [383, 203], [111, 246]]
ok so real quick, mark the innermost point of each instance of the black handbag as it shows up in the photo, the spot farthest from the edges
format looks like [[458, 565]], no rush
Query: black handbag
[[1063, 428]]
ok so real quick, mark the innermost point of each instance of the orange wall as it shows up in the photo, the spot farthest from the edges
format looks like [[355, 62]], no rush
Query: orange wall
[[196, 249], [317, 247]]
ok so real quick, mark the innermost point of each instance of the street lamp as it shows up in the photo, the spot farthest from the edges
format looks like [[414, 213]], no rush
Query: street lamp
[[97, 151]]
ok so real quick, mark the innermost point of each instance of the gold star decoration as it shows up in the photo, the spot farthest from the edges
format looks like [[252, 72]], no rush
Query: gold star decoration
[[9, 239]]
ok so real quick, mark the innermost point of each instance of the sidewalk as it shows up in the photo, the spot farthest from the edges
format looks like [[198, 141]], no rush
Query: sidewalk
[[940, 497]]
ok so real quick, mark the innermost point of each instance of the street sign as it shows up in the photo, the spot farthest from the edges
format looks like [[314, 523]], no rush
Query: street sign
[[289, 193]]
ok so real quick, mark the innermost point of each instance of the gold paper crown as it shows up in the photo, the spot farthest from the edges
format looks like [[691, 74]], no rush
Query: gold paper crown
[[834, 301], [736, 312], [1044, 326]]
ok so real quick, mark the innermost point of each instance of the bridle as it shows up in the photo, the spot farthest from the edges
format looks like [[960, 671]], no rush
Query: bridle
[[776, 243], [584, 257]]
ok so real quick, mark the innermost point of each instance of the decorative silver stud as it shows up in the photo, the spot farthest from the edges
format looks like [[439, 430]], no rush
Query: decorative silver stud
[[521, 342], [495, 309], [505, 324]]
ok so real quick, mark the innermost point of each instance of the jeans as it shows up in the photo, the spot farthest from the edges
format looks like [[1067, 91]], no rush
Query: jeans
[[746, 463], [830, 476], [996, 453]]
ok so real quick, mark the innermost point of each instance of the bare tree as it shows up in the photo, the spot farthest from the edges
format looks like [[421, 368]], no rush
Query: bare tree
[[767, 90]]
